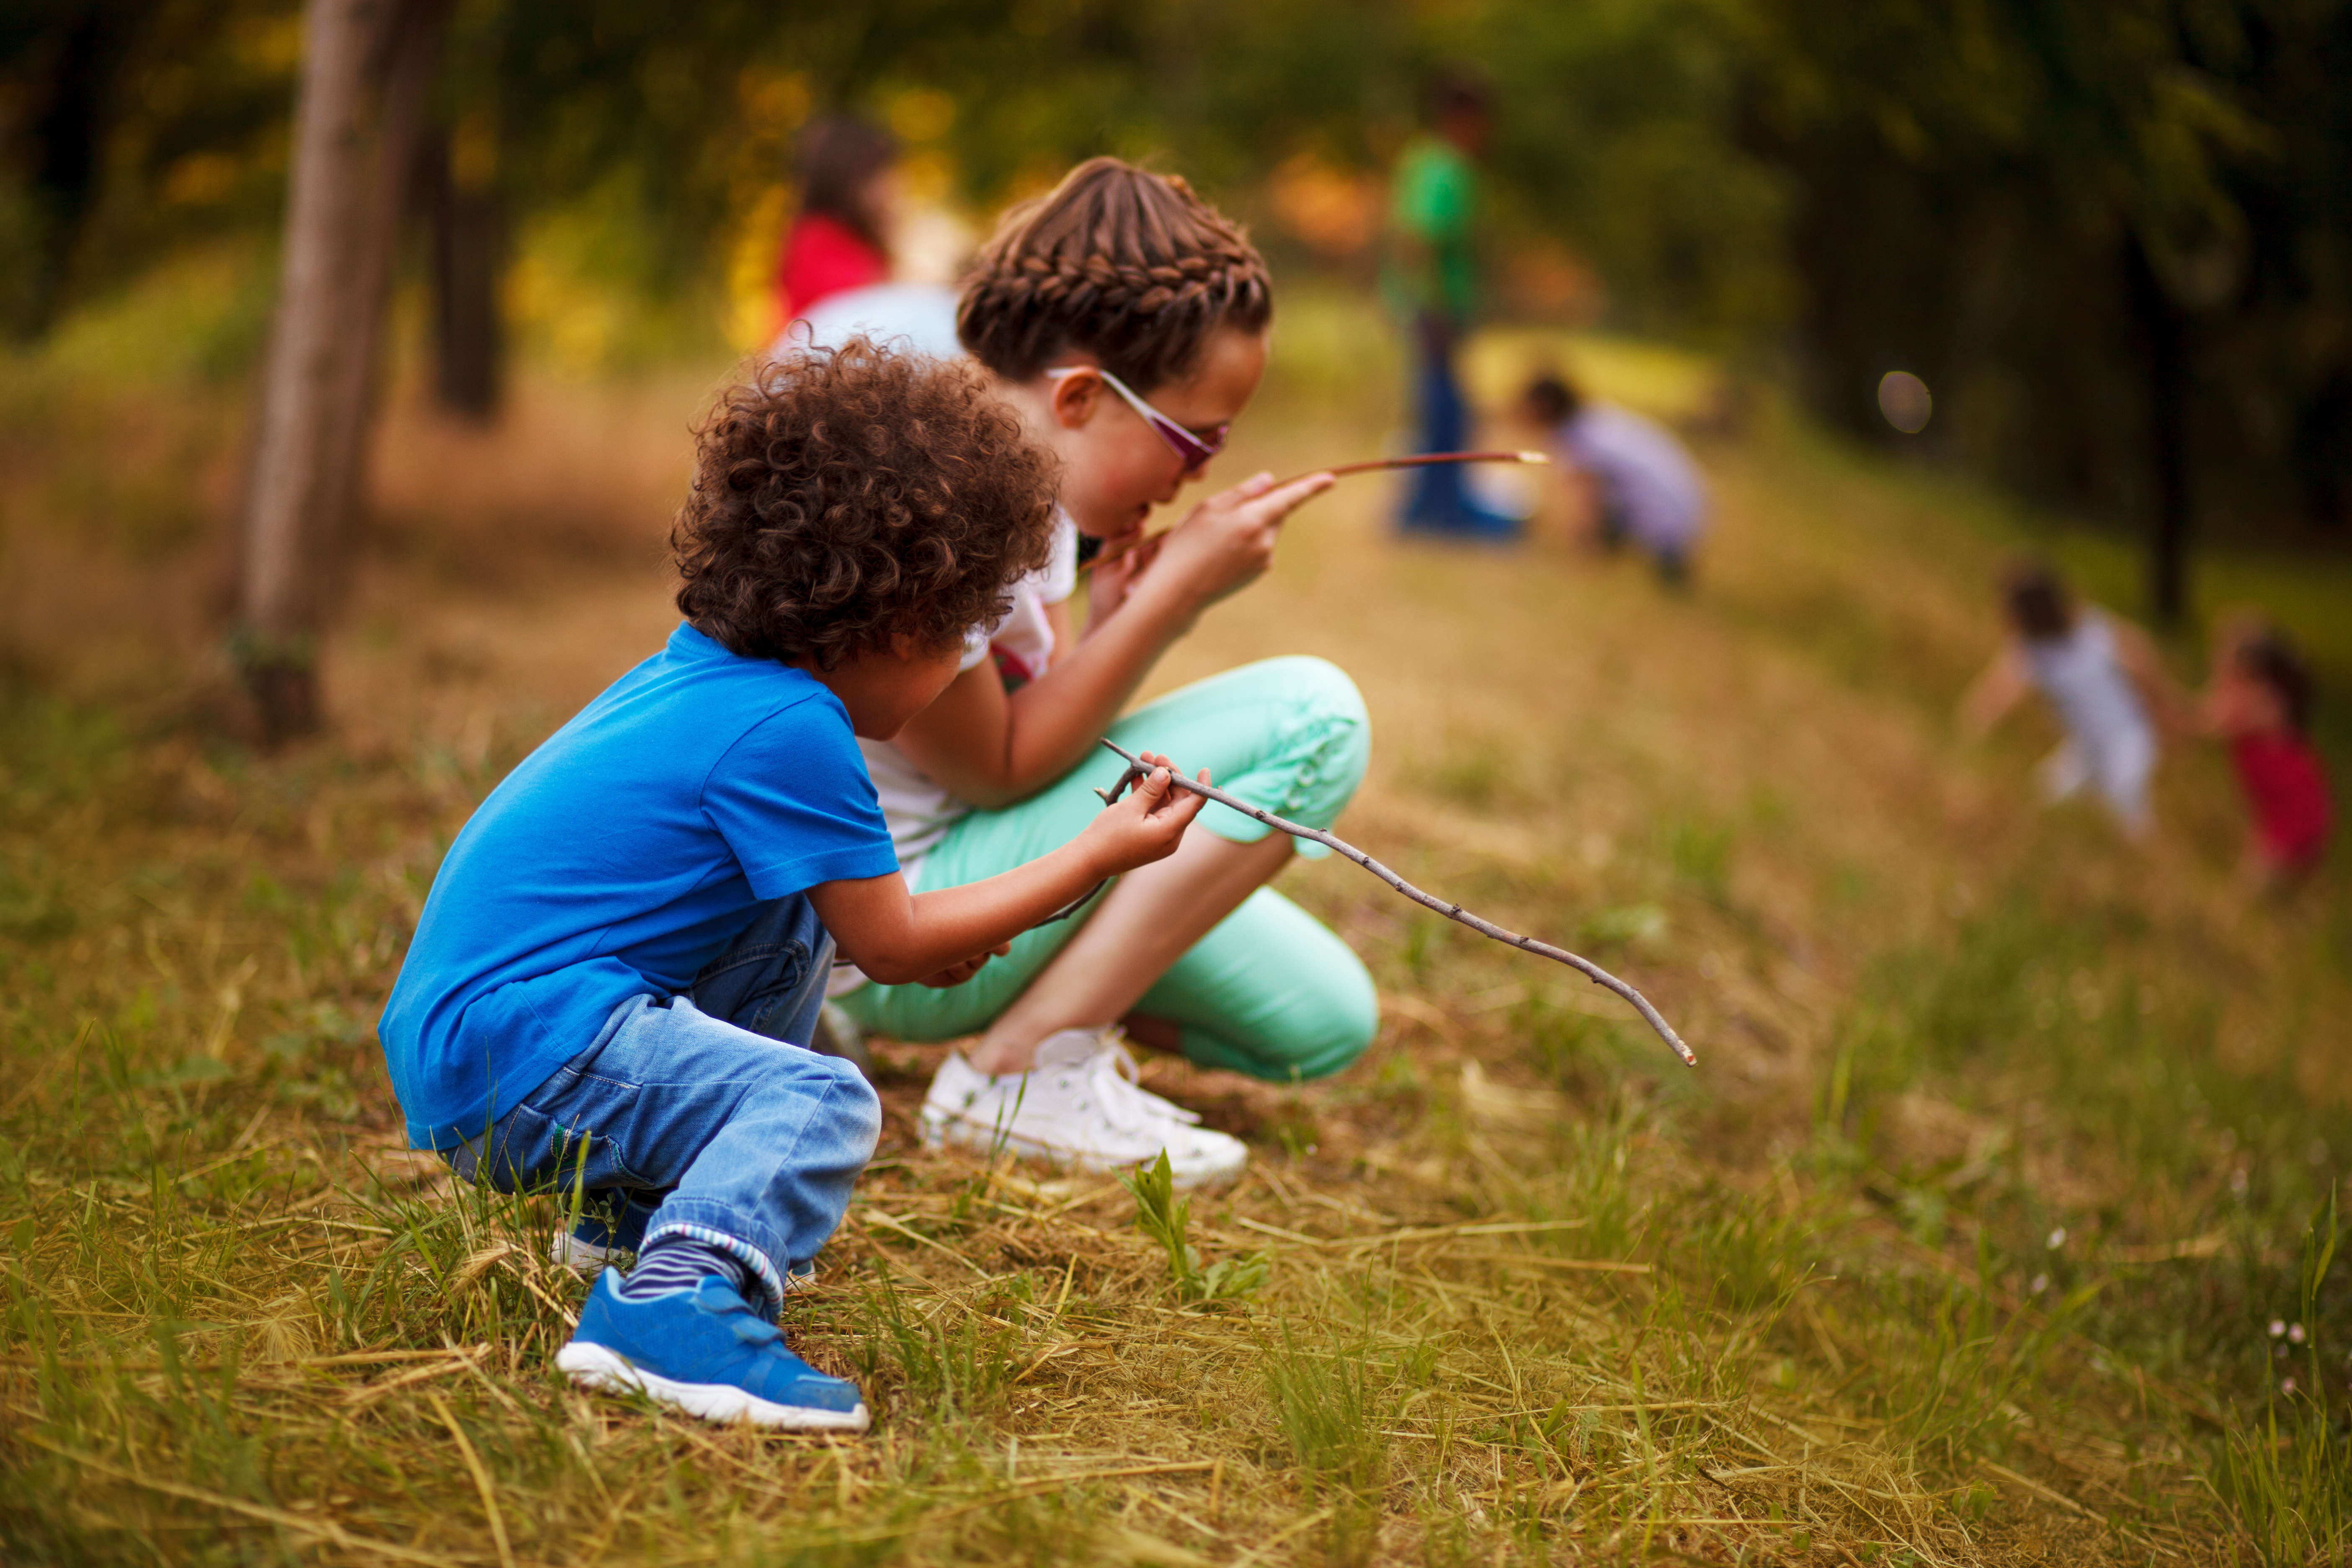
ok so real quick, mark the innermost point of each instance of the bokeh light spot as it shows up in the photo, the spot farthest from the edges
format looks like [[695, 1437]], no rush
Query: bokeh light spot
[[1904, 400]]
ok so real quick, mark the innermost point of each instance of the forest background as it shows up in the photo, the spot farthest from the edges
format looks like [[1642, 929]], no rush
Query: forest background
[[2114, 237], [1996, 1225]]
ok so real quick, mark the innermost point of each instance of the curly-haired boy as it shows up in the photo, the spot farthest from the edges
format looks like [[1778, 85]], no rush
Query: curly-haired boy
[[623, 953]]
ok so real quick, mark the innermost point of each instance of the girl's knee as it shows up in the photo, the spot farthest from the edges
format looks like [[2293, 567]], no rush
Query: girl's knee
[[1349, 1023], [1323, 1033], [1325, 702], [1321, 688]]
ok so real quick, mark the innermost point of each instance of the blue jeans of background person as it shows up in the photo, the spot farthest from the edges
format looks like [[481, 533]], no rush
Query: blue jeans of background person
[[704, 1114], [1439, 500]]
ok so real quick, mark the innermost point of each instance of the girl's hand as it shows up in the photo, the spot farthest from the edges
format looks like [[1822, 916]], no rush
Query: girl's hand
[[1147, 823], [1110, 584], [1227, 540]]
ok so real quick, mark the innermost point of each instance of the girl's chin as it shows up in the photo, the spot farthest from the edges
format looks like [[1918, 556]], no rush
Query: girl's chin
[[1114, 530]]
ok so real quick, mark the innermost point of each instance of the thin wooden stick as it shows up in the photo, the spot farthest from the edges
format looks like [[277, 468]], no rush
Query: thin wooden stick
[[1584, 966], [1423, 461], [1373, 465]]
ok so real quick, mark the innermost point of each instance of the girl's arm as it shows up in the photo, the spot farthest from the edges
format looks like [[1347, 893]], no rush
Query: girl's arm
[[1057, 620], [993, 749], [898, 938], [2002, 686], [2135, 651]]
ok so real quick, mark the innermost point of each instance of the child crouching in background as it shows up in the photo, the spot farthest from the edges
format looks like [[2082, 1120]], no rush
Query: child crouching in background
[[623, 953], [1645, 488]]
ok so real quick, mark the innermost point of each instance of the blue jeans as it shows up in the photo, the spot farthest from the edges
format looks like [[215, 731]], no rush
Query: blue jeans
[[1440, 502], [701, 1115]]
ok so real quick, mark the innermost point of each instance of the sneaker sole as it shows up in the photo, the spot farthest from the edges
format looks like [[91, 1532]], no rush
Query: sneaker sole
[[594, 1366], [939, 1129]]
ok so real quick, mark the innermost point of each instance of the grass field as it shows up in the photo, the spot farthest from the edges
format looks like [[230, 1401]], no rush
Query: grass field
[[1993, 1226]]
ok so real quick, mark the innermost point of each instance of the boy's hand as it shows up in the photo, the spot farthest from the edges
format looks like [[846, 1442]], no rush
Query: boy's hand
[[1147, 823], [957, 973], [947, 936]]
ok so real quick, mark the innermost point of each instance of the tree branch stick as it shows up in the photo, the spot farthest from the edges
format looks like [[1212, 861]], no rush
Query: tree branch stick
[[1584, 966], [1425, 460], [1421, 461]]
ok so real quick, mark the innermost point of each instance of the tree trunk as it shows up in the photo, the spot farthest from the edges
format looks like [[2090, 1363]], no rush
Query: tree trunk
[[468, 255], [2164, 338], [364, 69], [409, 55]]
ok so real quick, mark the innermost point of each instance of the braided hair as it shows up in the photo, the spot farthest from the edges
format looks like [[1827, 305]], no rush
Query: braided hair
[[1128, 266]]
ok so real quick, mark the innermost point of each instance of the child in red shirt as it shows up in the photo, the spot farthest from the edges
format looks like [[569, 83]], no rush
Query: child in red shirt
[[849, 175], [2259, 703]]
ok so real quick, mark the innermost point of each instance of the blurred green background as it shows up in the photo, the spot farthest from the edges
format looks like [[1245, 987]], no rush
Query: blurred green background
[[2114, 237]]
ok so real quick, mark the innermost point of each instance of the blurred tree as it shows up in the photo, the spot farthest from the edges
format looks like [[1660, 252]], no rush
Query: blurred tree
[[2113, 235], [129, 128], [2116, 236], [469, 237], [359, 117], [63, 62]]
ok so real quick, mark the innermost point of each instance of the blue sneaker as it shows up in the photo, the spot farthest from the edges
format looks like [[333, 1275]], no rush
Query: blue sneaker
[[704, 1352]]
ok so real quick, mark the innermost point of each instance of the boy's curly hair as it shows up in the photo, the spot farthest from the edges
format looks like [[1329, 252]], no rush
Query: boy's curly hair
[[1124, 264], [844, 495]]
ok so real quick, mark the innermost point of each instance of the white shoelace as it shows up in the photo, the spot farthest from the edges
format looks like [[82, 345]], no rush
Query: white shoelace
[[1115, 1079]]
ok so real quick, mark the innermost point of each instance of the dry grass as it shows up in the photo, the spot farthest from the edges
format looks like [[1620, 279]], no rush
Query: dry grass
[[1533, 1292]]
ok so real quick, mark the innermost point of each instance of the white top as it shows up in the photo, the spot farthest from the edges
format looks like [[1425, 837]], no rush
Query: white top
[[2087, 684], [904, 317], [1647, 480], [919, 811]]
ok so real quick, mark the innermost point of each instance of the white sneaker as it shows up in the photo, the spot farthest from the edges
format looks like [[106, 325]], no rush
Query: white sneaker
[[568, 1251], [1081, 1106]]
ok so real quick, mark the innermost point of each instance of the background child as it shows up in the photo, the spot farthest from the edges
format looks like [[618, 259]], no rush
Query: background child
[[2100, 675], [835, 275], [625, 935], [1432, 280], [1126, 321], [2258, 702], [840, 238], [1645, 488]]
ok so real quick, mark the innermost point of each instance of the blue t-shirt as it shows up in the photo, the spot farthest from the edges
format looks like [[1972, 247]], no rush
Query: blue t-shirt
[[618, 860]]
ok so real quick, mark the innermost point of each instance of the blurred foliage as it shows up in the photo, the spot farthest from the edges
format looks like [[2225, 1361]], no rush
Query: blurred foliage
[[2024, 202], [2015, 200]]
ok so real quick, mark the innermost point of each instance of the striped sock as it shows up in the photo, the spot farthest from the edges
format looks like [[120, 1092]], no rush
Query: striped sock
[[680, 1263]]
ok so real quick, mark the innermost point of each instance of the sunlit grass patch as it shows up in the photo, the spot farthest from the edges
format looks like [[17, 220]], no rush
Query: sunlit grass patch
[[1963, 1244]]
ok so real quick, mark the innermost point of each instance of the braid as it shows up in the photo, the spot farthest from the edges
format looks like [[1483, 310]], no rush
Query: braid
[[1128, 266]]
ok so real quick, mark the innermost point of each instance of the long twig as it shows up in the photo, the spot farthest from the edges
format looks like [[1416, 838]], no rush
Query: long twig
[[1371, 465], [1584, 966], [1425, 460]]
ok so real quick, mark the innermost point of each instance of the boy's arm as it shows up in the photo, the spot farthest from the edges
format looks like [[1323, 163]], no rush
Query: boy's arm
[[1991, 695], [2138, 653], [898, 938]]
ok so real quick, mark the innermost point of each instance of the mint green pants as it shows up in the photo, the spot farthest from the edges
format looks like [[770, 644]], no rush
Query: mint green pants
[[1269, 991]]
